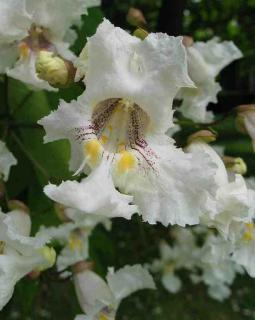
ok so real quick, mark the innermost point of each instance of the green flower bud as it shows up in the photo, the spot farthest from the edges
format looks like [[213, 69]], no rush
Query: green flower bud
[[202, 135], [236, 165], [141, 33]]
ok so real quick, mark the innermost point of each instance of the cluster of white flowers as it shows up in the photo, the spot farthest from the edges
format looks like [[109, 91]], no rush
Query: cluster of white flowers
[[120, 132]]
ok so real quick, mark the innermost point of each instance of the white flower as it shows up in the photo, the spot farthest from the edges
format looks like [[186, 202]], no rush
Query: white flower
[[29, 27], [19, 253], [183, 254], [6, 161], [116, 130], [100, 299], [205, 61], [74, 236], [218, 268], [232, 204]]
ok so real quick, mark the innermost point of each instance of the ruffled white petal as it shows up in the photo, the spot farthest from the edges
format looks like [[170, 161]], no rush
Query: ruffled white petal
[[6, 161], [205, 61], [95, 194], [123, 66], [172, 192], [129, 279], [15, 20]]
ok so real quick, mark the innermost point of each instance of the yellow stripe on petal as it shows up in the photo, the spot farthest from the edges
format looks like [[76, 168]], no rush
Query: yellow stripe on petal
[[249, 232], [126, 162], [74, 242], [93, 151], [23, 50]]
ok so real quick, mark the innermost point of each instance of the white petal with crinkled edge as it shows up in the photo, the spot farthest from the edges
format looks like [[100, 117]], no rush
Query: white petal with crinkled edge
[[129, 279], [8, 56], [24, 70], [95, 194], [15, 20], [15, 229], [174, 190], [123, 66], [195, 101], [60, 124], [58, 15], [205, 61], [232, 203], [218, 55], [6, 161], [13, 267], [90, 289]]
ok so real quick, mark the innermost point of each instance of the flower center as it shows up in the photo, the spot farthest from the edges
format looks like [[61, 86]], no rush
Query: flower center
[[118, 128], [38, 39]]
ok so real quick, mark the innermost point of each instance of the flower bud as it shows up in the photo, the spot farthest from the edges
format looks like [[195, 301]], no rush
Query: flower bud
[[53, 69], [136, 18], [82, 266], [141, 33], [18, 205], [236, 165], [202, 135], [243, 111]]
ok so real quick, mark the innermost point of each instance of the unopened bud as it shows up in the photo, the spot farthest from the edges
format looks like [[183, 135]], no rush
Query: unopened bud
[[49, 254], [82, 266], [136, 18], [203, 136], [236, 165], [18, 205], [187, 41], [243, 111], [53, 69], [60, 211], [141, 33]]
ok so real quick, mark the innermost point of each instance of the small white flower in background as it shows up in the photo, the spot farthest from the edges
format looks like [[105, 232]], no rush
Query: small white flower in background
[[232, 204], [74, 236], [218, 268], [6, 161], [205, 61], [117, 132], [183, 254], [34, 44], [20, 254], [100, 299], [245, 120]]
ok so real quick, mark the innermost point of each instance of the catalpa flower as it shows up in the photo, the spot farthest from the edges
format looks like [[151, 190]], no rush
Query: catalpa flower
[[74, 235], [184, 254], [7, 160], [20, 254], [100, 299], [232, 205], [205, 61], [34, 44], [117, 133]]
